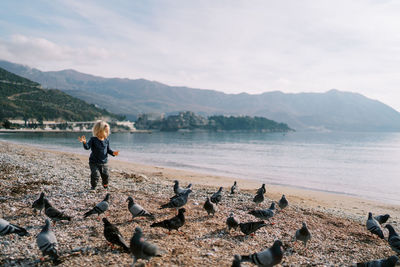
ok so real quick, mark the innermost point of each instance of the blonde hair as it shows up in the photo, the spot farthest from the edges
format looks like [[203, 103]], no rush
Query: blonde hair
[[101, 129]]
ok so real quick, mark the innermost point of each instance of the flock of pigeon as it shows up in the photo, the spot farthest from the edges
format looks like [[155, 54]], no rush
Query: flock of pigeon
[[141, 249]]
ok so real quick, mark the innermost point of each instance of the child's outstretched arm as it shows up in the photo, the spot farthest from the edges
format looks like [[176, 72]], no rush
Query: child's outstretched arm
[[111, 152], [82, 139]]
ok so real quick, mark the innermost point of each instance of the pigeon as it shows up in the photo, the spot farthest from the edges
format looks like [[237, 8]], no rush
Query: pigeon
[[261, 190], [389, 262], [53, 213], [393, 239], [174, 223], [269, 257], [136, 210], [7, 228], [179, 190], [233, 188], [283, 203], [99, 208], [209, 207], [177, 201], [141, 249], [250, 227], [231, 222], [303, 234], [373, 226], [47, 243], [113, 235], [38, 204], [382, 218], [264, 214], [258, 198], [237, 261], [217, 196]]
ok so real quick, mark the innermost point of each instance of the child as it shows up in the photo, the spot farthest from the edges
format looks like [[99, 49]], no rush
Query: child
[[100, 146]]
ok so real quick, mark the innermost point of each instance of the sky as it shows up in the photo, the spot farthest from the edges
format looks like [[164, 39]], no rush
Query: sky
[[232, 46]]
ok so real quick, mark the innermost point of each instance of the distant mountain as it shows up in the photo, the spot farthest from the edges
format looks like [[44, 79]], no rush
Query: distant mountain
[[333, 110], [21, 98]]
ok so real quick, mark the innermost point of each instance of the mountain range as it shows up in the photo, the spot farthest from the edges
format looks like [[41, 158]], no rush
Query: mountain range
[[332, 110]]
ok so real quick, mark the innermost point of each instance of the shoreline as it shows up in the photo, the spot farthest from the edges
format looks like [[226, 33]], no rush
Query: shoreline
[[335, 202]]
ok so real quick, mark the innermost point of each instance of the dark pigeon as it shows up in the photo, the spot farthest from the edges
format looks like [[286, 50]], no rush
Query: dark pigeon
[[179, 190], [113, 235], [38, 204], [137, 211], [233, 188], [389, 262], [264, 214], [250, 227], [100, 207], [177, 201], [261, 190], [53, 213], [373, 226], [303, 234], [217, 196], [381, 219], [47, 243], [283, 203], [258, 198], [142, 249], [7, 228], [267, 258], [236, 261], [393, 239], [231, 222], [174, 223], [209, 207]]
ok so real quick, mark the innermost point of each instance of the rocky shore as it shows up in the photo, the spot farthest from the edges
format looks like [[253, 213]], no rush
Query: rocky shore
[[338, 238]]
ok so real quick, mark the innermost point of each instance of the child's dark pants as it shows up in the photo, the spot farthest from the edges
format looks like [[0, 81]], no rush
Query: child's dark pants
[[98, 169]]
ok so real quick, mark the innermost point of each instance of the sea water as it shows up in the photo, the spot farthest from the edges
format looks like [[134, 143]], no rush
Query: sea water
[[366, 165]]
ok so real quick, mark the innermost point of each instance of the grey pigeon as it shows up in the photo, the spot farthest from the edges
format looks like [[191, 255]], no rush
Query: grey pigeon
[[261, 190], [174, 223], [38, 204], [233, 188], [381, 219], [267, 258], [179, 190], [136, 210], [113, 235], [393, 239], [142, 249], [47, 243], [258, 198], [236, 261], [373, 226], [209, 207], [303, 234], [100, 207], [250, 227], [53, 213], [7, 228], [217, 196], [265, 214], [231, 222], [389, 262], [283, 203], [177, 201]]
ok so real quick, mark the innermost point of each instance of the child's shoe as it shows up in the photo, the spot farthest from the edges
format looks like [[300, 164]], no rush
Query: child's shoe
[[105, 186], [92, 188]]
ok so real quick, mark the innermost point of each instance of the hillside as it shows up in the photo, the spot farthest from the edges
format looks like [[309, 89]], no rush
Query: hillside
[[333, 110], [22, 98]]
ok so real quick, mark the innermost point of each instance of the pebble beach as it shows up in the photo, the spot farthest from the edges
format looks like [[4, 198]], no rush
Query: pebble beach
[[336, 222]]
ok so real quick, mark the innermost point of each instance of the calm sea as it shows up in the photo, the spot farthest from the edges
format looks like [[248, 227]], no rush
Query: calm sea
[[360, 164]]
